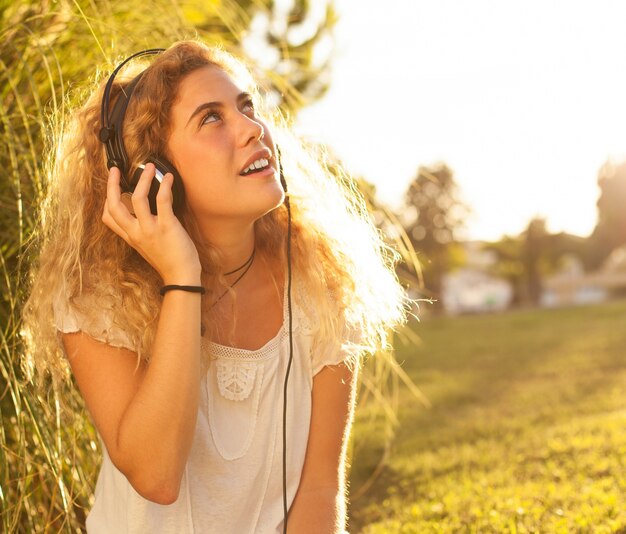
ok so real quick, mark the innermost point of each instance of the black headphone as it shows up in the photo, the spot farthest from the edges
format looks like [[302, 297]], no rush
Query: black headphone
[[111, 134]]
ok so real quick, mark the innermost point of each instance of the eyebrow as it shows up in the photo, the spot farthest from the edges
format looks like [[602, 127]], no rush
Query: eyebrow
[[208, 105]]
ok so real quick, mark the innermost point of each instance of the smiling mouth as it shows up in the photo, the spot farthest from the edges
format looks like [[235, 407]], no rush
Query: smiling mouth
[[265, 171], [255, 171], [256, 166]]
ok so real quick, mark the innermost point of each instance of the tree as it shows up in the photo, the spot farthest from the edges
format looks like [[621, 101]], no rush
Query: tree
[[432, 217], [524, 260], [610, 230], [509, 264], [535, 239]]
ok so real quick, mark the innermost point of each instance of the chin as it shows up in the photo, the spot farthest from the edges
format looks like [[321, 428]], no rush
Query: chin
[[271, 200]]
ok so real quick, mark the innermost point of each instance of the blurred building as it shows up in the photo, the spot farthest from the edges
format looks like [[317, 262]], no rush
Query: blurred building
[[472, 289], [571, 285]]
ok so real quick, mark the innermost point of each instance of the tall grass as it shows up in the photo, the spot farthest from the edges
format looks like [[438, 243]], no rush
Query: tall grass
[[49, 456]]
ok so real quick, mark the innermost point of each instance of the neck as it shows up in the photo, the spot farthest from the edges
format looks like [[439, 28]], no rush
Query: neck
[[234, 241]]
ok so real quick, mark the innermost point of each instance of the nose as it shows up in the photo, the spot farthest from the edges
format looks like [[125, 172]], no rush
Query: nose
[[251, 130]]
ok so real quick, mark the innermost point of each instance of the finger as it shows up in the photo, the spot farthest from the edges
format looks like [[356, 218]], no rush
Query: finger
[[140, 195], [165, 198], [109, 221], [114, 206]]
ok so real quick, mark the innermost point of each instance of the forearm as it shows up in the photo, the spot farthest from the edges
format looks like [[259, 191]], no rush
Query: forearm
[[157, 428], [318, 511]]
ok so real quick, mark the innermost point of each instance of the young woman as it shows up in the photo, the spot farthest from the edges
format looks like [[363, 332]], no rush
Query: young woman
[[180, 315]]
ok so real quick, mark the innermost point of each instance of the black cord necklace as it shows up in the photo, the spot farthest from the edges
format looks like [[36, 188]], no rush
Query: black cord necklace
[[246, 267], [243, 266]]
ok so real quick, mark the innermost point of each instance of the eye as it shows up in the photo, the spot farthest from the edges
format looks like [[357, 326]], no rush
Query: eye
[[249, 104], [209, 115]]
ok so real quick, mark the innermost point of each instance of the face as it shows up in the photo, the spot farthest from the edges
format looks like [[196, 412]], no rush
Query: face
[[215, 135]]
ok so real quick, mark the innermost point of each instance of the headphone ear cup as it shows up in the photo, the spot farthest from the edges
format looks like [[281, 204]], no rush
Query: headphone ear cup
[[178, 190], [162, 168]]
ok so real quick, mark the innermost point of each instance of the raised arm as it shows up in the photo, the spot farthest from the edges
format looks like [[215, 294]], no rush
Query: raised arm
[[146, 415]]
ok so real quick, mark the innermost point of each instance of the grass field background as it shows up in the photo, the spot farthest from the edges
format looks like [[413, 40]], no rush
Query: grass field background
[[526, 433]]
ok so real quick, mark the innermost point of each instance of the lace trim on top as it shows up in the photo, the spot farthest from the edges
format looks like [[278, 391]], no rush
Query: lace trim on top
[[216, 351]]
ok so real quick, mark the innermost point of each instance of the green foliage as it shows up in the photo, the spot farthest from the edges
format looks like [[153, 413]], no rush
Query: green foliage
[[527, 430]]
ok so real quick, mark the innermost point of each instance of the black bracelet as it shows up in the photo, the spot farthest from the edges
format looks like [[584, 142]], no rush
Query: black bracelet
[[190, 289]]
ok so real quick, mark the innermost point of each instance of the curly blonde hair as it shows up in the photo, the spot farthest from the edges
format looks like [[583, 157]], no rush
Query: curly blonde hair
[[338, 257]]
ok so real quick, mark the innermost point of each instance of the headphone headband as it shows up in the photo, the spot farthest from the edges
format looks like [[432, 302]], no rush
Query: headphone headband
[[112, 123], [104, 110]]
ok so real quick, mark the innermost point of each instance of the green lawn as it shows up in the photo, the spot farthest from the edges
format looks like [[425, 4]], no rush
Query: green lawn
[[527, 430]]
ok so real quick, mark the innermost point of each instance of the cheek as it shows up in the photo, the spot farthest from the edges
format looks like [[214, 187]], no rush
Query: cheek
[[206, 185], [200, 169], [202, 183]]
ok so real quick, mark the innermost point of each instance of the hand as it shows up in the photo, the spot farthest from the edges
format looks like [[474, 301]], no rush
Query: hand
[[160, 239]]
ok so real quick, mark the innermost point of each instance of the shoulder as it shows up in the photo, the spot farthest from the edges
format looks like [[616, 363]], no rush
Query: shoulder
[[92, 314], [334, 341]]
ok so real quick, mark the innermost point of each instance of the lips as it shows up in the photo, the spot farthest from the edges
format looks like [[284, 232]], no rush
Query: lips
[[265, 153]]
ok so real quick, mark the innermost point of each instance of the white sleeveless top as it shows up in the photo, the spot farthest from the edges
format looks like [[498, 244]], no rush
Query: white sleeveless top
[[233, 477]]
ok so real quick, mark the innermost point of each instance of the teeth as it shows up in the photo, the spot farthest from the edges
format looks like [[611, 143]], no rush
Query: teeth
[[258, 164]]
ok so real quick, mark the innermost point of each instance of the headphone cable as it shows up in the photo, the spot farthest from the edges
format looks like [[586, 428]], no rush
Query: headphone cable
[[290, 357]]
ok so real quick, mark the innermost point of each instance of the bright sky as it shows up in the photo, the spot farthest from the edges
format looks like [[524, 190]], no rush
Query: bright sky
[[523, 100]]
